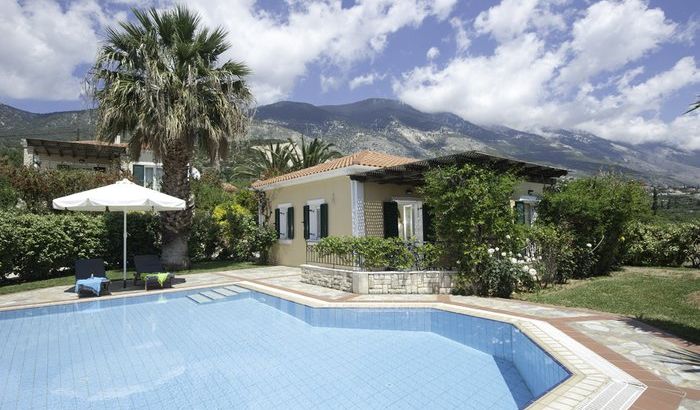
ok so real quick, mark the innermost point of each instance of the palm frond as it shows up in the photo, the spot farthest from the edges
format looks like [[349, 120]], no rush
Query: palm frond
[[159, 80]]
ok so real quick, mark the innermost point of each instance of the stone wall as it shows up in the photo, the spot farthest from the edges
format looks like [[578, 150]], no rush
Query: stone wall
[[327, 277], [418, 282], [390, 282]]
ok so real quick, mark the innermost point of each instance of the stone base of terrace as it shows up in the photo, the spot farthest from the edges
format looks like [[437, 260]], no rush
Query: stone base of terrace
[[616, 362], [374, 283]]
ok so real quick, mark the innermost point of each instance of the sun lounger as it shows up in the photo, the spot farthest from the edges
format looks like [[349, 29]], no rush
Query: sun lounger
[[90, 277], [150, 270]]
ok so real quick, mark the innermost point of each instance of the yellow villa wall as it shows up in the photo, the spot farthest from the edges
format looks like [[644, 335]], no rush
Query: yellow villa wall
[[335, 191], [375, 195]]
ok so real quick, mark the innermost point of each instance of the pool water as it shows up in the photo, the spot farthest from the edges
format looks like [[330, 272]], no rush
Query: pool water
[[252, 350]]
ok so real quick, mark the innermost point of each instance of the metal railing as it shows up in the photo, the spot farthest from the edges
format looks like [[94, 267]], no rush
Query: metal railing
[[348, 260], [353, 261]]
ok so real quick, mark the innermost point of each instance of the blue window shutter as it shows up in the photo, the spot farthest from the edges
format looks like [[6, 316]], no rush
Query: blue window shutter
[[277, 222], [428, 226], [306, 222], [391, 219], [324, 220], [290, 222]]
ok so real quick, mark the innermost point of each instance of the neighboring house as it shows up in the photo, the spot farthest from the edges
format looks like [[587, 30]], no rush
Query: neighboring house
[[92, 155], [374, 194]]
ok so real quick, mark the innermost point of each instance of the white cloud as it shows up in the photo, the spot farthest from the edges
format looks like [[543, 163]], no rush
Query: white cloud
[[621, 115], [495, 89], [462, 40], [280, 50], [433, 53], [42, 43], [367, 79], [519, 83], [611, 34], [512, 18], [329, 83]]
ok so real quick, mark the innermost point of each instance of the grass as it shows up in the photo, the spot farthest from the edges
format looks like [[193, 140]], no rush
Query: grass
[[14, 285], [667, 298]]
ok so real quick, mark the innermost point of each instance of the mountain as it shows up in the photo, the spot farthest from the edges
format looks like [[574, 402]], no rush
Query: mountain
[[16, 124], [397, 128]]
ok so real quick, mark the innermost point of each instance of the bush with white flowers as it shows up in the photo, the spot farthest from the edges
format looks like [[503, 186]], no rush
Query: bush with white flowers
[[503, 273]]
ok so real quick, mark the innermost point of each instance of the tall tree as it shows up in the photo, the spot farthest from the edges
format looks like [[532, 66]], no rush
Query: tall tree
[[314, 153], [266, 162], [160, 81]]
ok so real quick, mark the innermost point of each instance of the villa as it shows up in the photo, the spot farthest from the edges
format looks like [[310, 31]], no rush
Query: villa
[[375, 194], [45, 154]]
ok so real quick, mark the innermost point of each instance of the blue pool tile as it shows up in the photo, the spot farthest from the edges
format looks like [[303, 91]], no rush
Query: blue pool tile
[[256, 351]]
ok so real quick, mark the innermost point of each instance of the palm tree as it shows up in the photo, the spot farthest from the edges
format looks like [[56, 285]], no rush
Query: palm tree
[[160, 82], [694, 106], [314, 153], [266, 162]]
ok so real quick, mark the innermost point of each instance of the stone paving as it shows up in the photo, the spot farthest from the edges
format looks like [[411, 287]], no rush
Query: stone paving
[[678, 366], [519, 307], [66, 294]]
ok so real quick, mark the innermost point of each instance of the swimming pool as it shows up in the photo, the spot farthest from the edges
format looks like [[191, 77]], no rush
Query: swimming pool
[[252, 350]]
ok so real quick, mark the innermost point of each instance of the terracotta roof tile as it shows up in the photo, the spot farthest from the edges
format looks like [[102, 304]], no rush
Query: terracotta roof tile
[[366, 158]]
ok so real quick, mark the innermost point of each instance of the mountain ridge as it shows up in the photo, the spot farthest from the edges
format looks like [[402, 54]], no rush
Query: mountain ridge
[[397, 128]]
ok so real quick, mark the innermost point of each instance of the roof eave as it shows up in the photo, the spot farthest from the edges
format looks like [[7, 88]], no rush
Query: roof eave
[[320, 176]]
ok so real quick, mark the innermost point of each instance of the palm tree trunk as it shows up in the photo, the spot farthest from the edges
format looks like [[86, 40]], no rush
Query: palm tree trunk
[[176, 224]]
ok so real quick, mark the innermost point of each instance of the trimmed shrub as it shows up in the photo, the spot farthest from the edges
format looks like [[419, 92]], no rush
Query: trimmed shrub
[[143, 230], [239, 236], [555, 251], [597, 210], [204, 243], [36, 189], [39, 246], [378, 254], [662, 244]]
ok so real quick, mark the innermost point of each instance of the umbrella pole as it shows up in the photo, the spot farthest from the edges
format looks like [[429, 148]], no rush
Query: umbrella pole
[[124, 260]]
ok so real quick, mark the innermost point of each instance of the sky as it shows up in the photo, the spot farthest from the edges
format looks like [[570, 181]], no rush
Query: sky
[[625, 70]]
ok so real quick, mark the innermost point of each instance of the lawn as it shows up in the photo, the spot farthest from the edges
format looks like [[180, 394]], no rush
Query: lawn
[[667, 298], [13, 285]]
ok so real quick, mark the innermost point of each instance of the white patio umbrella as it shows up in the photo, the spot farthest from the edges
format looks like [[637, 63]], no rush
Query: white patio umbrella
[[122, 196]]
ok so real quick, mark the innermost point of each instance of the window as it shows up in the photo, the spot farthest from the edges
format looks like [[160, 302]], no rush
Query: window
[[148, 175], [284, 221], [525, 213], [315, 220], [403, 218], [406, 222]]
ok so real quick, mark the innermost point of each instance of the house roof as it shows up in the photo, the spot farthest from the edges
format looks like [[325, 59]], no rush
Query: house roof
[[413, 172], [363, 158], [77, 149]]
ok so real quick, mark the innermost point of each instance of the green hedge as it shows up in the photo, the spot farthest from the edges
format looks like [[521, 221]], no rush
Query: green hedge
[[36, 189], [662, 244], [39, 246], [378, 254]]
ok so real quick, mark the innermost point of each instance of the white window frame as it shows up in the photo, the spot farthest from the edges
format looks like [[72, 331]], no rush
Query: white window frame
[[155, 181], [315, 219], [283, 223], [417, 216]]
